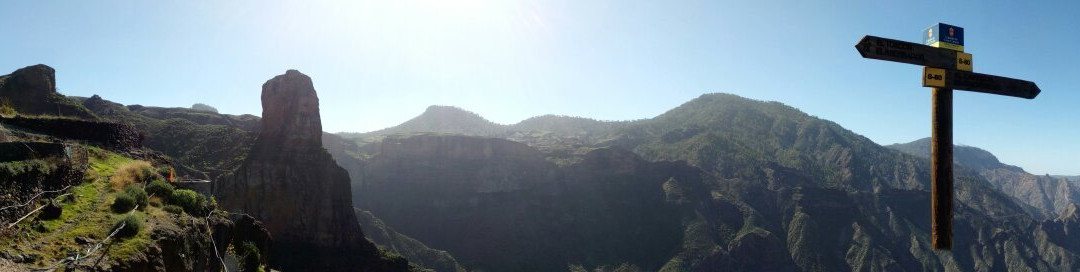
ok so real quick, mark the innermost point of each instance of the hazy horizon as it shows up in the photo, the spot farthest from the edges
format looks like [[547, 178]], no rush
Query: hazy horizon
[[377, 64]]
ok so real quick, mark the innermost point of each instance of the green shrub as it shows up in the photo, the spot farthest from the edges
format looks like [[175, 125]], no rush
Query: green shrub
[[173, 209], [160, 188], [6, 109], [123, 203], [212, 205], [134, 223], [249, 255], [191, 201], [138, 194], [10, 170]]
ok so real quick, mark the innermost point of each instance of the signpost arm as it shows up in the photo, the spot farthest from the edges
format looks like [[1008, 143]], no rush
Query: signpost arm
[[941, 150]]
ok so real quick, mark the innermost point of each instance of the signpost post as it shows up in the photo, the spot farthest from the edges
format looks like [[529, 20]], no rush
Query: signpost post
[[947, 67]]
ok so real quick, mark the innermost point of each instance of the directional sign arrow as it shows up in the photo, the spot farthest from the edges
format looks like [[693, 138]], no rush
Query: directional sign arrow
[[976, 82], [872, 47]]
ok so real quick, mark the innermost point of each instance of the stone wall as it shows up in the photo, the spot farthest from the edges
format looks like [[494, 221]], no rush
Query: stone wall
[[25, 172], [17, 151], [113, 135]]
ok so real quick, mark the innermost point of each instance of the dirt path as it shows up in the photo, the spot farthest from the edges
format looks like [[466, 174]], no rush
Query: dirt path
[[95, 204], [53, 238]]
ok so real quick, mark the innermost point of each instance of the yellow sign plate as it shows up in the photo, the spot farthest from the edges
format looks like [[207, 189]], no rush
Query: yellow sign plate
[[963, 61], [948, 46], [933, 77]]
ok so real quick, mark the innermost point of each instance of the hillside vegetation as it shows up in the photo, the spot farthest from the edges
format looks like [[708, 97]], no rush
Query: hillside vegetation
[[204, 145]]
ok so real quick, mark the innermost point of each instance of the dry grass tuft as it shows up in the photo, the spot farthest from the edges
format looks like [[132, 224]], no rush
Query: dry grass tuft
[[4, 135], [156, 201], [131, 173]]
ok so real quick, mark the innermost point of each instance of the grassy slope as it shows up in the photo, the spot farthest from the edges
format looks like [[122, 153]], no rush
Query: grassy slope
[[88, 216]]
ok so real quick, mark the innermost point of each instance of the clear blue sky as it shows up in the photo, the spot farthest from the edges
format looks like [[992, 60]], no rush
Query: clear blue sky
[[378, 63]]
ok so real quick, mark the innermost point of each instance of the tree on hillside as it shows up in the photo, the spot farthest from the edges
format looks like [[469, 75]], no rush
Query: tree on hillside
[[203, 107]]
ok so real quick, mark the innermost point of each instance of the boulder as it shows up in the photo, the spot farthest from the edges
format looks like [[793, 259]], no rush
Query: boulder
[[51, 211]]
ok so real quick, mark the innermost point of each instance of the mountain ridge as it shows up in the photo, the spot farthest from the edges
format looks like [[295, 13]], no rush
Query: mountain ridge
[[814, 195], [1051, 195]]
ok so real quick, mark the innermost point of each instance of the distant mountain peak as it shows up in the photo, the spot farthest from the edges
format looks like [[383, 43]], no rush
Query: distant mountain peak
[[451, 110], [447, 119], [727, 97], [969, 156], [711, 105]]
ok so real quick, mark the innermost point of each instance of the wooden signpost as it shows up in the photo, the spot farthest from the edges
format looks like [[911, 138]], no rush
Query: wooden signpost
[[947, 68], [976, 82], [872, 47]]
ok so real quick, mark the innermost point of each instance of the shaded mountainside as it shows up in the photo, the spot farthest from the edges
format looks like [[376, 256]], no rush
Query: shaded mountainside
[[719, 183], [1050, 195], [500, 206]]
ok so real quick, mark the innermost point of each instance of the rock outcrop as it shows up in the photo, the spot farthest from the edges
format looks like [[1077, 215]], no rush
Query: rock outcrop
[[291, 184], [32, 90]]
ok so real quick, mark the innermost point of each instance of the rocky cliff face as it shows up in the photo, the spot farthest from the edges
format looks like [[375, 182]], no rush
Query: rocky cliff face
[[500, 206], [291, 184], [32, 90], [494, 165]]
